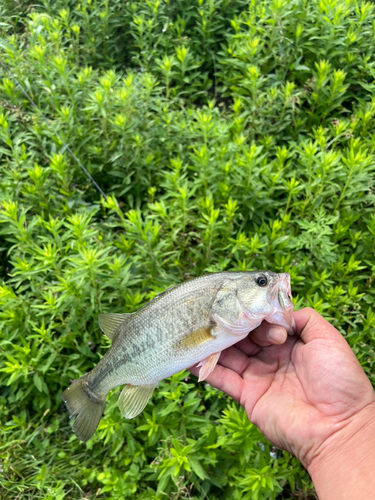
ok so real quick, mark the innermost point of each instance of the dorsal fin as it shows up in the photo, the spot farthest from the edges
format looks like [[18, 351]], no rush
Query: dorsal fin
[[110, 322]]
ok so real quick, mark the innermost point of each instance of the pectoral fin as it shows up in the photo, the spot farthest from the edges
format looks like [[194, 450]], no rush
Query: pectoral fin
[[196, 338], [207, 365], [134, 398]]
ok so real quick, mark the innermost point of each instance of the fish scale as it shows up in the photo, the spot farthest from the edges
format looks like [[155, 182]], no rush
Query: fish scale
[[187, 324]]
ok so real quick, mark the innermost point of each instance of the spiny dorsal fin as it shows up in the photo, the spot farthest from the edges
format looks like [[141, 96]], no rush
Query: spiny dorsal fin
[[110, 322], [134, 398]]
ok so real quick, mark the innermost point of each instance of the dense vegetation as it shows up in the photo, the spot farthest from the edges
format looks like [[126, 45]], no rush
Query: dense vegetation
[[227, 135]]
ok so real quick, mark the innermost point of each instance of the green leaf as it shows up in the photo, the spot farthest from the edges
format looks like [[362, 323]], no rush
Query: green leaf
[[38, 382], [197, 468]]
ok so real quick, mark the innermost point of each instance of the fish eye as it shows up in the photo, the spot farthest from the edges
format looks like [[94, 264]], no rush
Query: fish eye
[[261, 280]]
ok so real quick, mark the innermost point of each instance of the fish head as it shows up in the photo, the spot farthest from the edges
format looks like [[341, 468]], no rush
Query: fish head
[[267, 295]]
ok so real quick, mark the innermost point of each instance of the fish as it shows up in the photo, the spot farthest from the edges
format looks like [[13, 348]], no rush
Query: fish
[[186, 325]]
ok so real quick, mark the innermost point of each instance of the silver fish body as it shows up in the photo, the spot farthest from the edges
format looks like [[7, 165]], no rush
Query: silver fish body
[[187, 324]]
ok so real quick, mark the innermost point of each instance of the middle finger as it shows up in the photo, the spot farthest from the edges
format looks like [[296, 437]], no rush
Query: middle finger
[[235, 359]]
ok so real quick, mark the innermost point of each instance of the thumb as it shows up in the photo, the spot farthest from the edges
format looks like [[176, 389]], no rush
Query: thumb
[[311, 326]]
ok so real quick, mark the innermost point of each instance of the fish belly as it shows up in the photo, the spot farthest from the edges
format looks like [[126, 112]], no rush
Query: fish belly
[[163, 363]]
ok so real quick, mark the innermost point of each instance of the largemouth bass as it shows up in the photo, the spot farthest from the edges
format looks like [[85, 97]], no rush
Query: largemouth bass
[[187, 324]]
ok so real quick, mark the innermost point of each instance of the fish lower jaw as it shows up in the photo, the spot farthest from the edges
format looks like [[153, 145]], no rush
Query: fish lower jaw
[[283, 318]]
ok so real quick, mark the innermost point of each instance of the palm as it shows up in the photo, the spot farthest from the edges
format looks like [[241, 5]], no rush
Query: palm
[[298, 393]]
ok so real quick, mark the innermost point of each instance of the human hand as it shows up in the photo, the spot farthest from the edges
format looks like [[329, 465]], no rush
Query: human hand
[[305, 393]]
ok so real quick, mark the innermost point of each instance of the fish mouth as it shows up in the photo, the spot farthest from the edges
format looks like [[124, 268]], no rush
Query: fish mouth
[[280, 298]]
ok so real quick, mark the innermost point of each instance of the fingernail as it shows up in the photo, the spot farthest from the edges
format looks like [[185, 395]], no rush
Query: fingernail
[[277, 335]]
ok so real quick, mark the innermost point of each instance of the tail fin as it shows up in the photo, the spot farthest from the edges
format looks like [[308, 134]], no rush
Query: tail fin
[[88, 407]]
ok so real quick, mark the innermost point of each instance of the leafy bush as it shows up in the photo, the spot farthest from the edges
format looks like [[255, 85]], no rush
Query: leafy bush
[[228, 135]]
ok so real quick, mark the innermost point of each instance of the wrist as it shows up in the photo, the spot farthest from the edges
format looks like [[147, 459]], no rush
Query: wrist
[[343, 466]]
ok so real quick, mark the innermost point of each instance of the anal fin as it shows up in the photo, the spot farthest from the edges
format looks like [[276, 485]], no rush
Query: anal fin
[[207, 365], [134, 398]]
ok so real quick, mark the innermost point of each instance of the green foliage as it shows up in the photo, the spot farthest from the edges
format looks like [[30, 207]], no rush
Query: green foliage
[[228, 135]]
